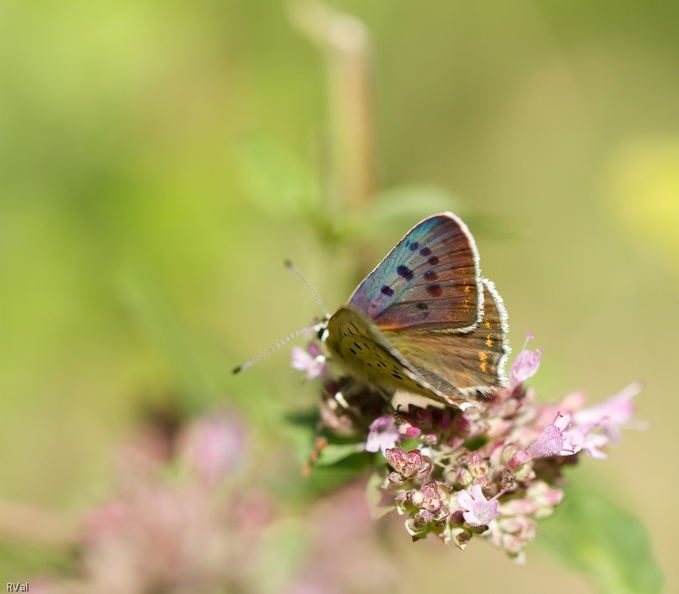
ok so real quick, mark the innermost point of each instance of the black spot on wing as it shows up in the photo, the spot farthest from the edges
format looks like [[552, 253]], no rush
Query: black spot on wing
[[422, 306], [387, 290], [425, 251], [434, 290], [433, 261], [413, 245], [405, 272], [430, 275]]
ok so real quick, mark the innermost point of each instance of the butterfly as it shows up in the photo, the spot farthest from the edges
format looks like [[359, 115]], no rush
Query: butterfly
[[425, 321]]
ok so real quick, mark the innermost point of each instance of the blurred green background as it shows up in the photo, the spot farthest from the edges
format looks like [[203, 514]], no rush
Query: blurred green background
[[159, 160]]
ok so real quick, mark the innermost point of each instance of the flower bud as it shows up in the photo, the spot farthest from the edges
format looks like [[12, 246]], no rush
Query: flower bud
[[424, 470], [477, 464], [395, 479]]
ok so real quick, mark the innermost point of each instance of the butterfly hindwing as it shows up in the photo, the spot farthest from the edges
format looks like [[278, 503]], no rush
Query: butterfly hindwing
[[454, 363], [429, 279], [365, 354]]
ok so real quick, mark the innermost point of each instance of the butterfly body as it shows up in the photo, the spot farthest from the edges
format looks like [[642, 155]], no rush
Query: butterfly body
[[424, 321]]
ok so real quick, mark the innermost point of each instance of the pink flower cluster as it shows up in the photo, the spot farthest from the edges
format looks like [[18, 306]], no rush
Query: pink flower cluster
[[490, 473], [175, 523]]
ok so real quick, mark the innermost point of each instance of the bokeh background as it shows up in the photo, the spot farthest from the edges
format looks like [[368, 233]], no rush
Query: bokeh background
[[159, 160]]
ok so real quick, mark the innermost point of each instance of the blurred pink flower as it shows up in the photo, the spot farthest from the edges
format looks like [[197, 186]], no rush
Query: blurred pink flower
[[479, 511], [383, 434], [611, 414], [212, 446], [344, 548], [174, 532], [312, 361], [525, 364], [556, 441]]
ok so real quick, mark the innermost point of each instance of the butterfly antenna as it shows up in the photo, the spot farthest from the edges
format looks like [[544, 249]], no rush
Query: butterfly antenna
[[292, 268], [275, 346]]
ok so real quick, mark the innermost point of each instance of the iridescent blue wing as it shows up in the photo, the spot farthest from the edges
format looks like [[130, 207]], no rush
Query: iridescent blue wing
[[430, 279]]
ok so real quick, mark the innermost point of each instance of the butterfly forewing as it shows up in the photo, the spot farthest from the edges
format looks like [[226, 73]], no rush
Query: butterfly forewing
[[428, 280]]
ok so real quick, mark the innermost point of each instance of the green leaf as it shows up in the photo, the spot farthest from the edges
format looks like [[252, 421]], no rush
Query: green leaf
[[593, 535], [333, 453], [326, 479]]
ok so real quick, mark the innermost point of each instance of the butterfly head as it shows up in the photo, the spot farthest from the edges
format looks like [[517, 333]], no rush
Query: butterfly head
[[321, 329]]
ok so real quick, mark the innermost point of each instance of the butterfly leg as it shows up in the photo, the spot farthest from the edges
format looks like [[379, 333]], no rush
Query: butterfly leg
[[339, 399]]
